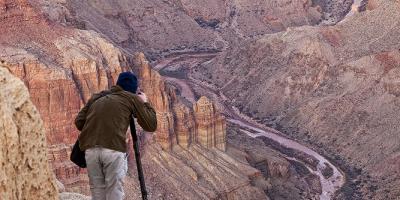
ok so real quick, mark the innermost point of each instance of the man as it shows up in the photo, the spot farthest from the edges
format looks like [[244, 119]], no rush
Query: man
[[103, 123]]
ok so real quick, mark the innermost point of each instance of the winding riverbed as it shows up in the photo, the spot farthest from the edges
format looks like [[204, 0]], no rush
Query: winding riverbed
[[328, 184]]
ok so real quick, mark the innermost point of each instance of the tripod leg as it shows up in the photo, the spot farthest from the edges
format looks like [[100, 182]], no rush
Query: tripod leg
[[140, 171], [138, 161]]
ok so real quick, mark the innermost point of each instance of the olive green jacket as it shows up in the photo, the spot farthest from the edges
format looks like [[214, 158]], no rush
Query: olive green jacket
[[105, 118]]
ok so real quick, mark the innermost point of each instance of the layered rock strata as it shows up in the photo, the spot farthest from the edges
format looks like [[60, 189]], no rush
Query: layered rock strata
[[161, 28], [177, 123], [24, 172], [184, 125], [210, 125], [131, 24], [162, 98]]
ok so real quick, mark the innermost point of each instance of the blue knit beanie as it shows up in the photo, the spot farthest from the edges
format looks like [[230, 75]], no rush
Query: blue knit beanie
[[128, 81]]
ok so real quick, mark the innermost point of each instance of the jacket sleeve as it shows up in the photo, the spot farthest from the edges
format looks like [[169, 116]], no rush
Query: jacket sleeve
[[146, 115], [81, 117]]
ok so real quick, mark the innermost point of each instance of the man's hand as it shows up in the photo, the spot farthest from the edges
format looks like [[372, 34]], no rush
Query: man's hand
[[142, 96]]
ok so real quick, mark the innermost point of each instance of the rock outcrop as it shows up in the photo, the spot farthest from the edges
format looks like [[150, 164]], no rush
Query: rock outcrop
[[210, 125], [24, 172], [162, 98], [184, 125], [131, 24], [68, 195]]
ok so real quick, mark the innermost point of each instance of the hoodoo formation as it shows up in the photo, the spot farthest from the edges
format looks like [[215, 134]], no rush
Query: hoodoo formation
[[323, 73], [210, 125]]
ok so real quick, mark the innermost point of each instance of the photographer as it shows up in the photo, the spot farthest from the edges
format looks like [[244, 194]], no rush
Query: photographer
[[103, 123]]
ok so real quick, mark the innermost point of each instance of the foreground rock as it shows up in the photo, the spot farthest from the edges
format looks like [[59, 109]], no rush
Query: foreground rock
[[73, 196], [24, 172], [68, 195]]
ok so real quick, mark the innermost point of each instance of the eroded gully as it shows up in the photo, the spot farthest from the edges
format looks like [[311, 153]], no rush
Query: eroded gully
[[252, 128]]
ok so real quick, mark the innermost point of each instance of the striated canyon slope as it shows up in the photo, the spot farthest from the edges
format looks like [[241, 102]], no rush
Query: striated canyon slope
[[335, 87], [163, 27]]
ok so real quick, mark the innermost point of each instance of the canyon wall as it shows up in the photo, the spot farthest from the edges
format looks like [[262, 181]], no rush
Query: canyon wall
[[24, 172], [334, 87], [131, 24], [162, 28]]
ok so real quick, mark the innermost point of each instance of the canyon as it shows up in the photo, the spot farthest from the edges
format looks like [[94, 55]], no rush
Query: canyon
[[254, 99], [293, 151]]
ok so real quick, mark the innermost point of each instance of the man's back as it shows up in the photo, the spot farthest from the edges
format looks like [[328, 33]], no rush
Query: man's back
[[107, 119]]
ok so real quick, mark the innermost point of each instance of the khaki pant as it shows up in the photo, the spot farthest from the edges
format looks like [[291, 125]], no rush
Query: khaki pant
[[106, 169]]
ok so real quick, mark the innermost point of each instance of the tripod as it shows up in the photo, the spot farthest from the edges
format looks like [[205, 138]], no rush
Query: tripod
[[137, 157]]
